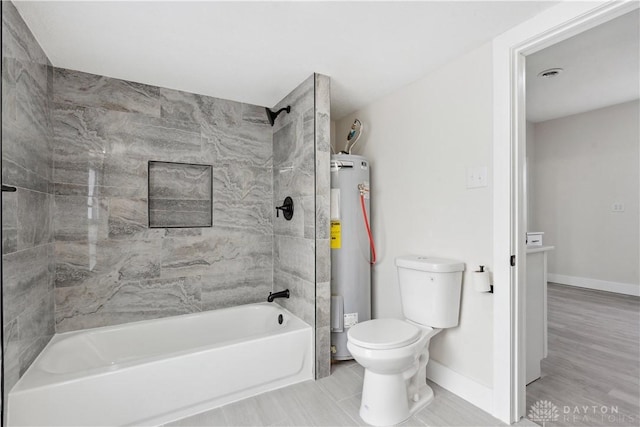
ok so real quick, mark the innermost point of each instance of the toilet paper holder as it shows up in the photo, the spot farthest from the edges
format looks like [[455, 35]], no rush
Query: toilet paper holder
[[482, 281]]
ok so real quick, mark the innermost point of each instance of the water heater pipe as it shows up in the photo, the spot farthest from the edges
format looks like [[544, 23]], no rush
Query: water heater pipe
[[366, 224]]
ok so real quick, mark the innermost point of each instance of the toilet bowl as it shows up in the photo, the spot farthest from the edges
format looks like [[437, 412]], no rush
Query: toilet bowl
[[395, 353]]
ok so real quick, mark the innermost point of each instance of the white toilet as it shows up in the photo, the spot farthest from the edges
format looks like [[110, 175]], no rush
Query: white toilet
[[394, 353]]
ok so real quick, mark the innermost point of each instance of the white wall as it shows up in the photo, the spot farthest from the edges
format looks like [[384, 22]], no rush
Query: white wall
[[419, 141], [582, 165]]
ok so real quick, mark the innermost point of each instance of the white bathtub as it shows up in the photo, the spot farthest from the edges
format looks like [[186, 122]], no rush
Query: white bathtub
[[156, 371]]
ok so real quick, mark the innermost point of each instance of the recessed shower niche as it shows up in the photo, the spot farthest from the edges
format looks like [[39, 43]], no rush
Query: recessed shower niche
[[180, 195]]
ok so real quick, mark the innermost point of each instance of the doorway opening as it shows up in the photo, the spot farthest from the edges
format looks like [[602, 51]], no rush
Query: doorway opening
[[558, 24]]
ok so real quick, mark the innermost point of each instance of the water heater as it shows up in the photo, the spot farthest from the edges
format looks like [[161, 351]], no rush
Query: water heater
[[351, 255]]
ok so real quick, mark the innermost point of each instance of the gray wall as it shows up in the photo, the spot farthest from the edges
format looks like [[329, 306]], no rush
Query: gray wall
[[27, 232], [301, 246], [110, 267]]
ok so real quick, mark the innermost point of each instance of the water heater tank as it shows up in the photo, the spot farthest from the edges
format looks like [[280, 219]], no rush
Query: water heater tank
[[350, 249]]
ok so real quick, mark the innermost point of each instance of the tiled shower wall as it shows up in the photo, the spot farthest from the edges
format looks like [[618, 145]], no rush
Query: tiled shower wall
[[110, 267], [27, 238], [76, 145], [301, 171]]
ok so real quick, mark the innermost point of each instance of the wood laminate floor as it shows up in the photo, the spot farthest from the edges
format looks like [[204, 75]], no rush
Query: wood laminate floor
[[335, 401], [592, 371]]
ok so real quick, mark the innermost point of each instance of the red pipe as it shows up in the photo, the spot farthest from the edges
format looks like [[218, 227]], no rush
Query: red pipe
[[366, 224]]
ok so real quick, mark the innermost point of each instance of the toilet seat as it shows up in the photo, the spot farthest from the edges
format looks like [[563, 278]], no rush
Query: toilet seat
[[383, 334]]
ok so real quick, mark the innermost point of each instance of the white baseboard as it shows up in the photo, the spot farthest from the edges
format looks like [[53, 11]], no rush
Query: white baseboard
[[600, 285], [471, 391]]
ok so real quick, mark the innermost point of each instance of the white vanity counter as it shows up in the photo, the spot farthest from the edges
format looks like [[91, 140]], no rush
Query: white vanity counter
[[536, 310]]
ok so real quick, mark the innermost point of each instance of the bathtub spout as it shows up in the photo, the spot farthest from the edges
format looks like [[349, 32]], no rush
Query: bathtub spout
[[281, 294]]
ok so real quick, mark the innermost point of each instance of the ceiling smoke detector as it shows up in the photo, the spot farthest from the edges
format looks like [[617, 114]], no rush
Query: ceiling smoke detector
[[550, 73]]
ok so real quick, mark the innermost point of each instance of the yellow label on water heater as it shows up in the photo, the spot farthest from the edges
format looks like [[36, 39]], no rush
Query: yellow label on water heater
[[336, 235]]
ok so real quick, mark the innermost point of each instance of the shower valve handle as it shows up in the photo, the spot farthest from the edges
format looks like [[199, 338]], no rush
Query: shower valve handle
[[286, 208]]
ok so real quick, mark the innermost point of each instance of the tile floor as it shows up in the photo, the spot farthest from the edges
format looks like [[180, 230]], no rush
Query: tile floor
[[334, 401]]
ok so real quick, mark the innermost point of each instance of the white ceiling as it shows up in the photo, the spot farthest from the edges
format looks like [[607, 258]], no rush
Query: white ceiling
[[601, 68], [257, 52]]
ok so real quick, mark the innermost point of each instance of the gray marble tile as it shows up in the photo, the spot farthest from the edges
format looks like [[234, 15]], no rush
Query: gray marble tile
[[293, 171], [92, 172], [31, 352], [309, 206], [101, 304], [128, 220], [300, 99], [295, 256], [216, 254], [182, 206], [107, 262], [9, 240], [11, 357], [180, 195], [34, 218], [323, 108], [183, 232], [254, 217], [37, 320], [25, 278], [220, 148], [323, 304], [18, 176], [293, 142], [90, 90], [9, 222], [211, 113], [323, 260], [26, 130], [27, 223], [323, 222], [170, 218], [138, 192], [257, 115], [80, 218], [242, 183], [323, 173], [228, 290], [179, 181], [8, 91], [296, 226], [80, 129], [302, 295], [17, 40], [323, 353], [116, 133]]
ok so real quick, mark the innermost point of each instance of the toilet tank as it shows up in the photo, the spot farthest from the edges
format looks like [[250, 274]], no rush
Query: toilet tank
[[430, 290]]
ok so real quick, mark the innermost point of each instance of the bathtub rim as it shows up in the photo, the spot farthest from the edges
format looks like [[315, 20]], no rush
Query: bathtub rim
[[27, 383]]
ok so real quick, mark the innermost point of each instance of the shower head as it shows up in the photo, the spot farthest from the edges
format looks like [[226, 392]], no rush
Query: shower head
[[354, 135], [272, 115]]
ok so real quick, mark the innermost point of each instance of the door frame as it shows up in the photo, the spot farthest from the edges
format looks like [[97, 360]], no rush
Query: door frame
[[509, 221]]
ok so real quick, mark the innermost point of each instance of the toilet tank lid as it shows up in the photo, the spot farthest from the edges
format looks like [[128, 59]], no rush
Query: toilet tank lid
[[434, 265]]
